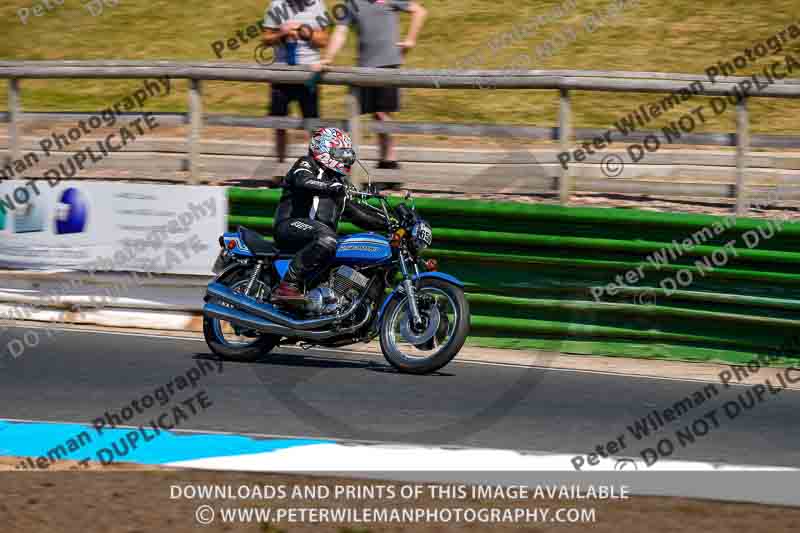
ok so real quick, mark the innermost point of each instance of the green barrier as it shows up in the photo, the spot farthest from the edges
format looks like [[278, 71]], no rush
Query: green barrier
[[496, 238], [511, 211], [533, 273], [490, 301], [484, 324]]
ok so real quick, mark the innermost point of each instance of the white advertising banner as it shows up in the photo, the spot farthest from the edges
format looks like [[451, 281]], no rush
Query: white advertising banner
[[79, 225]]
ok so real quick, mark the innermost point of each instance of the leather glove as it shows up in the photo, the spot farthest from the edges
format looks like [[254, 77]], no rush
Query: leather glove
[[336, 188]]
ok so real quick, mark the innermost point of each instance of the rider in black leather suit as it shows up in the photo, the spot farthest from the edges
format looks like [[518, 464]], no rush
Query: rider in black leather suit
[[314, 200]]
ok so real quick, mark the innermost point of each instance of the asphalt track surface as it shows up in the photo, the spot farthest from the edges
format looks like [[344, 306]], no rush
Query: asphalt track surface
[[76, 376]]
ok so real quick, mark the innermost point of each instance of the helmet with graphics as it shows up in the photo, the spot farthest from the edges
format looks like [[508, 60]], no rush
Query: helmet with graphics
[[333, 149]]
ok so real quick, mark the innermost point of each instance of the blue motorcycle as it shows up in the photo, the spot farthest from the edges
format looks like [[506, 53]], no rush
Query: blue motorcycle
[[422, 322]]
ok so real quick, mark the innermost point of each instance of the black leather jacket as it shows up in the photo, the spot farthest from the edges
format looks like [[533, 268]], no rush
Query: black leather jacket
[[307, 194]]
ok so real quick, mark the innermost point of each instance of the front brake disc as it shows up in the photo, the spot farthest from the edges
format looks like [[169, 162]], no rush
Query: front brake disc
[[427, 334]]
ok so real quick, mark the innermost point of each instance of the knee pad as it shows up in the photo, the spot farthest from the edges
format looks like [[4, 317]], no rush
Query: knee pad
[[316, 254], [329, 243]]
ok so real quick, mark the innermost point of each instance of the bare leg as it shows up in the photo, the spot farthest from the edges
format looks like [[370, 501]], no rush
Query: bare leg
[[280, 144], [385, 141]]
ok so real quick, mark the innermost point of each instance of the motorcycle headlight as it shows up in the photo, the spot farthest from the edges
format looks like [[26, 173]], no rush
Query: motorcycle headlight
[[422, 235]]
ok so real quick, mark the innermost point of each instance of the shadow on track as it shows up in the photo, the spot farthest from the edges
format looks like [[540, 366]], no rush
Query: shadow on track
[[316, 362]]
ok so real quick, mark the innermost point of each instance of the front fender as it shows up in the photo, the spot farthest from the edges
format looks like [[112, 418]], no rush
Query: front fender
[[440, 275]]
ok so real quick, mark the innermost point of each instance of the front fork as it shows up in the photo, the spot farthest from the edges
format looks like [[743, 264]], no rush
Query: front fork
[[411, 292]]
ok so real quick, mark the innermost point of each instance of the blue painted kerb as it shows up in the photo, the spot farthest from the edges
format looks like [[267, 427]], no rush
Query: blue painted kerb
[[37, 439]]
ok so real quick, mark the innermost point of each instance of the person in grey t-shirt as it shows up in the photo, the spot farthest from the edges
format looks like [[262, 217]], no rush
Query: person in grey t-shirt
[[294, 28], [379, 45]]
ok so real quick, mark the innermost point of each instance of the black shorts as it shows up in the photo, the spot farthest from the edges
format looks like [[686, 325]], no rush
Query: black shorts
[[380, 99], [283, 94]]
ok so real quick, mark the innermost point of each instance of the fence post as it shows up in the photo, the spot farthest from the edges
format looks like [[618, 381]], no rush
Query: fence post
[[13, 120], [564, 135], [742, 153], [195, 125], [354, 125]]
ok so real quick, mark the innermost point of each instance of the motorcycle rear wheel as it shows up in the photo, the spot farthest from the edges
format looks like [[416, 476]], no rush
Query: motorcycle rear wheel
[[214, 330]]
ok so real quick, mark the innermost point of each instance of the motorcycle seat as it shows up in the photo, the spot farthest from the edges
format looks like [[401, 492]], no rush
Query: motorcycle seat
[[257, 244]]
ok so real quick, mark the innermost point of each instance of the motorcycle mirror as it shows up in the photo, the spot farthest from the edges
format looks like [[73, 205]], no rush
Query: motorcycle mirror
[[369, 178], [410, 197]]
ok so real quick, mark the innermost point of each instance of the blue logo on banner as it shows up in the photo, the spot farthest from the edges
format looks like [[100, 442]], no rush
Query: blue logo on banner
[[71, 212]]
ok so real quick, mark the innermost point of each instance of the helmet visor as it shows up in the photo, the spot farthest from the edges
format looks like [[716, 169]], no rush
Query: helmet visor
[[346, 156]]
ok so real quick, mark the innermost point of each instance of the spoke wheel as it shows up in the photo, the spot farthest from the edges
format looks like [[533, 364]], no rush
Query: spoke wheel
[[233, 342], [445, 325]]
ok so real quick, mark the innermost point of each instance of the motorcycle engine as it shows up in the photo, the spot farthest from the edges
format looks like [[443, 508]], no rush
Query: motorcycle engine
[[321, 301], [347, 281], [347, 285]]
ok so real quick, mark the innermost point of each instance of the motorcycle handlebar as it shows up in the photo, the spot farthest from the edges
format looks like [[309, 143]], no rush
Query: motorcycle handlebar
[[362, 194]]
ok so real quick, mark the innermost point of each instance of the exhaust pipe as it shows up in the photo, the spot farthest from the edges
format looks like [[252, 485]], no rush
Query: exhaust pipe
[[270, 313], [240, 318]]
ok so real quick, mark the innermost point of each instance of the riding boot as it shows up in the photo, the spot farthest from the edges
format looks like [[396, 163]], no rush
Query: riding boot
[[288, 293]]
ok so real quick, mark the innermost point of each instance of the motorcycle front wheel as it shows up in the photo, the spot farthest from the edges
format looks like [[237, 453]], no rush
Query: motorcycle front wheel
[[445, 313]]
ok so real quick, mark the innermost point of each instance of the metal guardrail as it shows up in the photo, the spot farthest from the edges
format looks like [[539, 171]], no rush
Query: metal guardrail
[[563, 81]]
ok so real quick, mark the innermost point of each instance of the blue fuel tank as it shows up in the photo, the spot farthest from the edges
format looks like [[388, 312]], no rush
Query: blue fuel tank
[[363, 248]]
